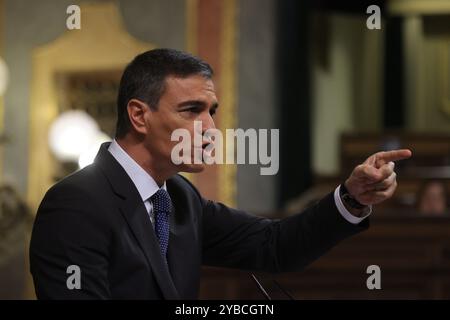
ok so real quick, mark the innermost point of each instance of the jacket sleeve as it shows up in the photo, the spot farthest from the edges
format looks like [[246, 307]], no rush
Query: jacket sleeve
[[66, 233], [233, 238]]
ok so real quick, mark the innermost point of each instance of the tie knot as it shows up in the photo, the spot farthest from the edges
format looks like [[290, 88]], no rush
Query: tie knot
[[161, 201]]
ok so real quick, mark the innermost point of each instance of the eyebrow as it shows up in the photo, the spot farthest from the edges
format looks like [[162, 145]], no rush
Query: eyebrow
[[196, 103]]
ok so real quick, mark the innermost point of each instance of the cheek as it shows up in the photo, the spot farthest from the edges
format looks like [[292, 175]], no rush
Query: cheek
[[162, 127], [186, 125], [165, 138], [158, 137]]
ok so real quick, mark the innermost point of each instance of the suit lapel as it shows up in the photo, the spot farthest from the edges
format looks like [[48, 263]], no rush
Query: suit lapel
[[183, 252], [135, 213], [139, 222]]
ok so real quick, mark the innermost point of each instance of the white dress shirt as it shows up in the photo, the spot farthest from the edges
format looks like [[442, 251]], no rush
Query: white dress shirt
[[144, 182], [345, 213], [147, 186]]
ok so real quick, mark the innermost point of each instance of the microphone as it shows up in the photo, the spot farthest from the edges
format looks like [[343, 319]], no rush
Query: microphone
[[264, 292], [261, 288]]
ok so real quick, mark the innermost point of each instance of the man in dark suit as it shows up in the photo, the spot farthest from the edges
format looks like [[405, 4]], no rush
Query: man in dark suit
[[132, 228]]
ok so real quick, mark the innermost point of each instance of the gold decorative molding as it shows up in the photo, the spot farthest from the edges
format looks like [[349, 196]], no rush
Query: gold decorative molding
[[102, 43], [191, 26], [418, 7], [2, 101], [444, 57], [228, 79]]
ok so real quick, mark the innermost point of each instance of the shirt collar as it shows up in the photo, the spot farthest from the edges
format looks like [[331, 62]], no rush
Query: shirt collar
[[144, 182]]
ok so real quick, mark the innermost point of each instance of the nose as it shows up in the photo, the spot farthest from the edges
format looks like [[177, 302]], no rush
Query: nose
[[207, 122]]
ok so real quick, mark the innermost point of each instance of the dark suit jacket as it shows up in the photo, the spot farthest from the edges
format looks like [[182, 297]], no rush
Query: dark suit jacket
[[95, 219]]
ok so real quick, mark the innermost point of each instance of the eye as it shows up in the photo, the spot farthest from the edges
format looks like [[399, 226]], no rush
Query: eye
[[192, 109]]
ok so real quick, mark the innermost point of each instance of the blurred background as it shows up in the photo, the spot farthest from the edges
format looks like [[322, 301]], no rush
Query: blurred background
[[337, 90]]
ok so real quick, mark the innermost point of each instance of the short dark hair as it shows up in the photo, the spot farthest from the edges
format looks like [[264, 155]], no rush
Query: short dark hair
[[144, 79]]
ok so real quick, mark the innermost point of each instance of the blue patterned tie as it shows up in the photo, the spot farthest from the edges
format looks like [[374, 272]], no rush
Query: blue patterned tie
[[162, 206]]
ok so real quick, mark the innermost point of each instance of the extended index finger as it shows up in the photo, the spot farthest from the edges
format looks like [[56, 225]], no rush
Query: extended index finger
[[394, 155]]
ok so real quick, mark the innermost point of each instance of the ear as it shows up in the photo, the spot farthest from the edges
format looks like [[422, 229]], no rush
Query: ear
[[136, 113]]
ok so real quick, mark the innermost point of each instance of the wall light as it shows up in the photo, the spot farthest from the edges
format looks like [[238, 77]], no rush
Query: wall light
[[72, 134]]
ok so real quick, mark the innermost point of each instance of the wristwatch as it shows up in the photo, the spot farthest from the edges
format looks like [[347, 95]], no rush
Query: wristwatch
[[349, 199]]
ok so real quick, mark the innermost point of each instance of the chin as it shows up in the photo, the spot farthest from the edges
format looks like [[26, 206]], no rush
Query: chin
[[193, 168]]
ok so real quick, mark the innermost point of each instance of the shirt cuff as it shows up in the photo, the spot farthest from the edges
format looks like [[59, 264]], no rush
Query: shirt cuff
[[345, 213]]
